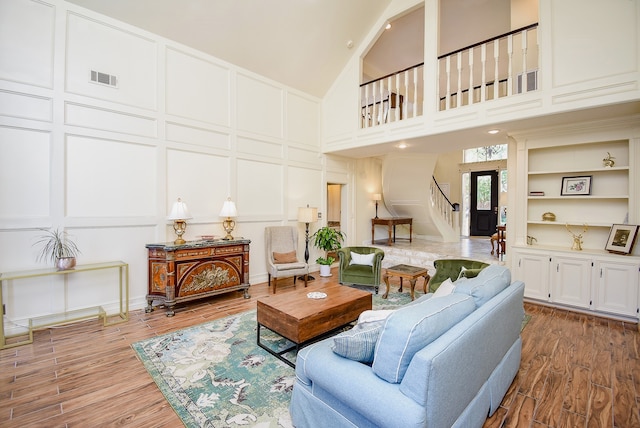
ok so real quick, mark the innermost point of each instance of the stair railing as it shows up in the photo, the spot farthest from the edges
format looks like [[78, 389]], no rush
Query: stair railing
[[443, 206]]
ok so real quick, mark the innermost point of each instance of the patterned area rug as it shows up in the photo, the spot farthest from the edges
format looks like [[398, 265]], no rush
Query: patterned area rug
[[215, 375]]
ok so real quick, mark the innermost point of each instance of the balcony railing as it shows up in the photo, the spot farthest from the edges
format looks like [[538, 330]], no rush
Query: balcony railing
[[499, 67], [492, 69]]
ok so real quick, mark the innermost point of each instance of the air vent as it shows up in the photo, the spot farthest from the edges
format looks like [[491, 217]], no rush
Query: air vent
[[532, 81], [104, 79]]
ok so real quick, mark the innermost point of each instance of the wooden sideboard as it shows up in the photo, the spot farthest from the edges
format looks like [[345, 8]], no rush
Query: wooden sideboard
[[196, 269]]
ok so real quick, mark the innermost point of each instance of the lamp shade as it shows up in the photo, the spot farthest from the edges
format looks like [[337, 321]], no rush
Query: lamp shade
[[179, 211], [502, 199], [228, 209], [307, 215], [377, 197]]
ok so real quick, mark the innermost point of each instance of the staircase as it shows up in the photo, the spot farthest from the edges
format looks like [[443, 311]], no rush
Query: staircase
[[409, 191]]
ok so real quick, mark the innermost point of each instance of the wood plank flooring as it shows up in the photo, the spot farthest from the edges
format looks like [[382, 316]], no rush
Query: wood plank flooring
[[576, 370]]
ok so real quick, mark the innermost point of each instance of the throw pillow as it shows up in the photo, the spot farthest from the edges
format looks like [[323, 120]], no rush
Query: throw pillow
[[469, 273], [290, 257], [359, 343], [489, 282], [411, 328], [372, 316], [362, 259], [445, 288]]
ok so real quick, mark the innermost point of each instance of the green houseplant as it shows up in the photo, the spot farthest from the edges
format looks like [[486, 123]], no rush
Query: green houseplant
[[58, 249], [327, 239]]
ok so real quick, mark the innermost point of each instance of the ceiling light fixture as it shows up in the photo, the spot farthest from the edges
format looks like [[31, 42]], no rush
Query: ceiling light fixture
[[402, 146], [388, 26], [493, 131]]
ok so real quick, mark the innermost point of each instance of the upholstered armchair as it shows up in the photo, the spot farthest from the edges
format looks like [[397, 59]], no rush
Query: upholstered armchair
[[452, 268], [281, 247], [360, 265]]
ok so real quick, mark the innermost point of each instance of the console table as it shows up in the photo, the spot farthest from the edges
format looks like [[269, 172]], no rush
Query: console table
[[196, 269], [391, 226], [67, 316]]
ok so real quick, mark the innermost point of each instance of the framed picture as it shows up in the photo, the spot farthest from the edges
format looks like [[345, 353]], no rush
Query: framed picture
[[621, 238], [576, 185]]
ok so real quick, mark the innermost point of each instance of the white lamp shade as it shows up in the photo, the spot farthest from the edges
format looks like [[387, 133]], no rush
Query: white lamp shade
[[307, 215], [179, 211], [377, 197], [228, 209]]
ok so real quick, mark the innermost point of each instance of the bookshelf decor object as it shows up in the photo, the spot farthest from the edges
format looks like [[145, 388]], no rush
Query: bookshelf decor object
[[621, 238], [575, 186]]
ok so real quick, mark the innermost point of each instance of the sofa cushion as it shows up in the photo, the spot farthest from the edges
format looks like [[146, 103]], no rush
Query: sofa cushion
[[358, 343], [289, 257], [445, 288], [489, 282], [413, 327], [361, 259]]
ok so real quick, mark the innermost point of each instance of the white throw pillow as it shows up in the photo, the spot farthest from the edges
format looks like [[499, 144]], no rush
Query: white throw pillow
[[461, 274], [445, 288], [362, 259], [372, 316]]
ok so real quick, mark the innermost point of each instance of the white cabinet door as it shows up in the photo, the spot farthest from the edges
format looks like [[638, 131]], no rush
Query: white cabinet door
[[616, 288], [571, 281], [533, 269]]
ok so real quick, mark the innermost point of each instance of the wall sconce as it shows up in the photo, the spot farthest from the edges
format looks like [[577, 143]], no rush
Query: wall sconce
[[229, 211], [377, 197], [179, 214]]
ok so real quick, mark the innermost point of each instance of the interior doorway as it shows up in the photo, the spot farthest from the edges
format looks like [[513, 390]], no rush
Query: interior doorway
[[334, 206]]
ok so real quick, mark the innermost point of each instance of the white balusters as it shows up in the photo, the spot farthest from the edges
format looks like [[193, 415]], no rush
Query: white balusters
[[470, 90], [524, 80], [510, 66], [496, 63]]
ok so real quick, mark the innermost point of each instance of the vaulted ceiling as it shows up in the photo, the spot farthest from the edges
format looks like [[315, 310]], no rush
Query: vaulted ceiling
[[300, 43]]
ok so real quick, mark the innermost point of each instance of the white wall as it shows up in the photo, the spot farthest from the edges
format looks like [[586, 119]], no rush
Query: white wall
[[107, 163]]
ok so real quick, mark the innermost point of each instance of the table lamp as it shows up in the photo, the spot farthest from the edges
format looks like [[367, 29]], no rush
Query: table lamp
[[229, 211], [179, 214]]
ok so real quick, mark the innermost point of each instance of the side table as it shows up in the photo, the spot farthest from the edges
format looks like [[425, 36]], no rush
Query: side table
[[391, 226], [68, 316], [412, 273]]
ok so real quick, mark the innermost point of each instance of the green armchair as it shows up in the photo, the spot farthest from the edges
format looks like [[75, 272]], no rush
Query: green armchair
[[451, 268], [363, 269]]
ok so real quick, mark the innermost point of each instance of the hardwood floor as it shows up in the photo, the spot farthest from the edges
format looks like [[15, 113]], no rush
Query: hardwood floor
[[576, 371]]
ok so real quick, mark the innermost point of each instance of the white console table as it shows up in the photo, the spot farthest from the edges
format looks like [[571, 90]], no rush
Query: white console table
[[69, 316]]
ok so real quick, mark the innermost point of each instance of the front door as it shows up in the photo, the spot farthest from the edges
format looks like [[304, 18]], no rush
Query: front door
[[484, 203]]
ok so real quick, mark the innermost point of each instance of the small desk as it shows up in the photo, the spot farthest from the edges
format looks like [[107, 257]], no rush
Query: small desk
[[68, 316], [412, 273], [391, 226]]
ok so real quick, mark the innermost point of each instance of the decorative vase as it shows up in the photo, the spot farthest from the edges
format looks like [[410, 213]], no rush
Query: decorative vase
[[66, 263], [325, 270]]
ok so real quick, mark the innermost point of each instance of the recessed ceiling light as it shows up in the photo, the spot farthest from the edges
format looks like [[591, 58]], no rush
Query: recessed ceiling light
[[493, 131], [402, 146], [388, 26]]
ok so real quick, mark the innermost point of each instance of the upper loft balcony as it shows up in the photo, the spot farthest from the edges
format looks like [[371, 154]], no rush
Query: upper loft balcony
[[488, 70]]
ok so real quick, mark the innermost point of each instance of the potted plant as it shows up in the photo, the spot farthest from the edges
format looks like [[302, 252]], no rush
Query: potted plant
[[58, 249], [327, 239]]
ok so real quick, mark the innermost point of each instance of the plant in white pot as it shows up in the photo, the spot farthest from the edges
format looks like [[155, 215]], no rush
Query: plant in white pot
[[58, 249], [327, 239]]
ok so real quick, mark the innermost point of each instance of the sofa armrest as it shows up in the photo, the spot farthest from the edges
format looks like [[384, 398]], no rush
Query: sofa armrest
[[355, 386]]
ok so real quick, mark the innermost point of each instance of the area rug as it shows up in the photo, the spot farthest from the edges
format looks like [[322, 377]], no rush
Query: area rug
[[215, 375]]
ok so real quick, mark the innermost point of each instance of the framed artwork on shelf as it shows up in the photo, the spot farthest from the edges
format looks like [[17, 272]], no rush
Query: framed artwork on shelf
[[575, 186], [621, 238]]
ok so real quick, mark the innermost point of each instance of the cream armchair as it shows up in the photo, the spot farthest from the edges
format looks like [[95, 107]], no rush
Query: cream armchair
[[281, 244]]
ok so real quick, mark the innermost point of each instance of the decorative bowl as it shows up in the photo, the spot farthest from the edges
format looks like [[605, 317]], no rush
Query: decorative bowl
[[548, 216]]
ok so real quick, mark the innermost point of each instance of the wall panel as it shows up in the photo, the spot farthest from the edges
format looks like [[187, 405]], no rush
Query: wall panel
[[93, 45], [32, 23], [301, 191], [200, 180], [259, 107], [197, 89], [108, 178], [97, 118], [261, 190], [24, 173], [24, 106], [302, 120], [194, 135], [260, 148]]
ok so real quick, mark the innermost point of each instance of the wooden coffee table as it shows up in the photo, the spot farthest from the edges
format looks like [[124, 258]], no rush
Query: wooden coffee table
[[302, 320], [412, 273]]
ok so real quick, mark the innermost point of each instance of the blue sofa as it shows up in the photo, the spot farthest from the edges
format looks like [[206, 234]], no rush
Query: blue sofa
[[441, 361]]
